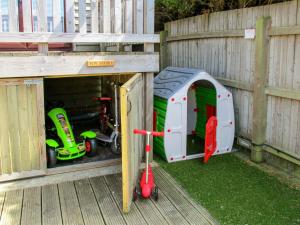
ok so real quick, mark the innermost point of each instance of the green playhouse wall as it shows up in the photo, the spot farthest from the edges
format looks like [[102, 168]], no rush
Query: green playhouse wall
[[204, 96], [160, 107]]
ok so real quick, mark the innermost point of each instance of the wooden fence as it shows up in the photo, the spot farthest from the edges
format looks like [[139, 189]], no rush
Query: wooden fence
[[263, 73]]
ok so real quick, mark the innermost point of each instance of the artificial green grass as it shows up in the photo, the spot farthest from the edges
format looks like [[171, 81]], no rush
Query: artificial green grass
[[236, 193]]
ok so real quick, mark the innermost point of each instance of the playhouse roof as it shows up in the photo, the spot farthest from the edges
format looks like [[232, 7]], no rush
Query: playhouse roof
[[172, 79]]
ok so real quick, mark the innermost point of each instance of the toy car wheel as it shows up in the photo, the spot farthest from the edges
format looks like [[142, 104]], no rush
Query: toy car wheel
[[51, 157], [155, 193], [90, 147]]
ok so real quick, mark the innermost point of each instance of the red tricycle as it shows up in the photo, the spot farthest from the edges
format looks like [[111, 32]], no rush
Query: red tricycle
[[147, 187]]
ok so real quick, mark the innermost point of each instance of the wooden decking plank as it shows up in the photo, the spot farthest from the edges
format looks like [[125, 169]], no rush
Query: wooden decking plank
[[70, 208], [12, 208], [110, 211], [31, 209], [114, 183], [51, 214], [150, 212], [181, 190], [2, 199], [169, 211], [89, 208], [189, 212]]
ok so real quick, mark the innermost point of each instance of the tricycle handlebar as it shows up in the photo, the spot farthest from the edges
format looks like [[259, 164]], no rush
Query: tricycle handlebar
[[102, 98]]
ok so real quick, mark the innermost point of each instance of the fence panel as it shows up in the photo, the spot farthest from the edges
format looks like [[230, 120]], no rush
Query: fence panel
[[215, 42]]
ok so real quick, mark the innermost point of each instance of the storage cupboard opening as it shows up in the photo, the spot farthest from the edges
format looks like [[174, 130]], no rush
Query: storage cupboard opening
[[82, 119], [201, 105]]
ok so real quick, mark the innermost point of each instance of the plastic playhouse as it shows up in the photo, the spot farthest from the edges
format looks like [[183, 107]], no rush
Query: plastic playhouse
[[195, 112]]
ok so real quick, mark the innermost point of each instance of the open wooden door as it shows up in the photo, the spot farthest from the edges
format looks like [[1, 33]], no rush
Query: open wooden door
[[22, 134], [132, 116]]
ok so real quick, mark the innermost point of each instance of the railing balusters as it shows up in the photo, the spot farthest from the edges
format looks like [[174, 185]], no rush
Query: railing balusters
[[118, 16], [82, 16], [0, 17], [12, 15], [139, 17], [57, 16], [94, 16], [128, 16], [27, 17], [106, 17]]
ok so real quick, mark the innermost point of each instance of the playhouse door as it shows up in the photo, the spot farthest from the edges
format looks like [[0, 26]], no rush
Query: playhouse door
[[132, 116], [210, 138]]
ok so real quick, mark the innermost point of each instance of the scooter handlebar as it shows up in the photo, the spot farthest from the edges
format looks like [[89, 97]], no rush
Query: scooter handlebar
[[136, 131], [155, 133], [144, 132]]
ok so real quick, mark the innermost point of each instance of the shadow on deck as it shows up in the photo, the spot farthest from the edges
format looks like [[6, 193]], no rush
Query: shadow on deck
[[98, 200]]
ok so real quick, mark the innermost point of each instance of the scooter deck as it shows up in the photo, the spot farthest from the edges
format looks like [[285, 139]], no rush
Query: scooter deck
[[102, 137]]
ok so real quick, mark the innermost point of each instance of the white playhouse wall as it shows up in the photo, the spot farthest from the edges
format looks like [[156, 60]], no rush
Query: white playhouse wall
[[176, 120]]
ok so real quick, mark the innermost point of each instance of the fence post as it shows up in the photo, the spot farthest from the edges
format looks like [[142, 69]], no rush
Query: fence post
[[163, 50], [259, 96]]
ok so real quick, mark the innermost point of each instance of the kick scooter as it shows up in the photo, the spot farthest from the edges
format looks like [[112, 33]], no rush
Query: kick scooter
[[147, 186]]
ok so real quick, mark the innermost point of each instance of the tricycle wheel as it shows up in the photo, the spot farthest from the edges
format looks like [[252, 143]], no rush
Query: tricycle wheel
[[116, 146], [155, 193], [51, 157], [135, 194], [90, 147]]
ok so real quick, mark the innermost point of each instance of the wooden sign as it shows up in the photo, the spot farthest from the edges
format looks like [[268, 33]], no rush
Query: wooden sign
[[100, 63]]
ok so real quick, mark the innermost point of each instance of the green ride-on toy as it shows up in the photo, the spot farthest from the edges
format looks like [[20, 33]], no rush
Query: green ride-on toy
[[65, 147]]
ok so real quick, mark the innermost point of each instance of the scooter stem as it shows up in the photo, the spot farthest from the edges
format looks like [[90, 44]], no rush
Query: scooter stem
[[147, 155]]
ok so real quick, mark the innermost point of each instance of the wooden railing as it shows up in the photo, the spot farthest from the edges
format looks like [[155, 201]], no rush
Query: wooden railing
[[77, 21]]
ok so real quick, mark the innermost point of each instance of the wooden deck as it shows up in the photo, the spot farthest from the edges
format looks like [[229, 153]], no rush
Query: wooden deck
[[97, 200]]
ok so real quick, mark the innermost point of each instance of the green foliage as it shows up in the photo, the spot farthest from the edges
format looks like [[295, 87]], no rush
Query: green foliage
[[169, 10], [236, 193]]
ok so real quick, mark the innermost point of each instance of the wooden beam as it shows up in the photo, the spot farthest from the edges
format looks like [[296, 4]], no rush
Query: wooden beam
[[291, 30], [260, 79], [283, 93], [75, 64], [78, 38], [235, 84], [21, 175], [62, 177], [204, 35], [83, 166], [282, 154]]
